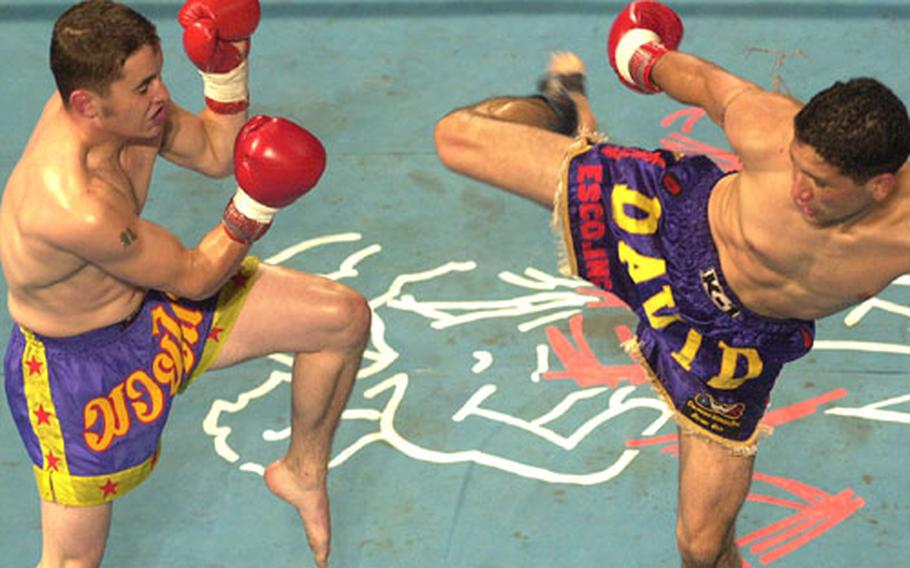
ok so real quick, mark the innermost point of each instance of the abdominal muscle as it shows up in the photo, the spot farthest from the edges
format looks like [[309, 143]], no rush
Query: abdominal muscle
[[86, 300], [778, 265]]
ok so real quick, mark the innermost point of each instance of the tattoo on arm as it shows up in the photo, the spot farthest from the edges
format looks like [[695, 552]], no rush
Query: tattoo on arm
[[127, 237]]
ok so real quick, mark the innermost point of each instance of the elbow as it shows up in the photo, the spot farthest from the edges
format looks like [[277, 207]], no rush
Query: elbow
[[193, 291], [198, 294], [194, 286], [219, 168]]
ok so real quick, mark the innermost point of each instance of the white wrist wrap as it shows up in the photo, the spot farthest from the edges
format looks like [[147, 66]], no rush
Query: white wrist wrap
[[227, 87], [627, 47], [252, 209]]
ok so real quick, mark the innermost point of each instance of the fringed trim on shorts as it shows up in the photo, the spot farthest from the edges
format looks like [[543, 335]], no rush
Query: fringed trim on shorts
[[745, 448], [559, 223]]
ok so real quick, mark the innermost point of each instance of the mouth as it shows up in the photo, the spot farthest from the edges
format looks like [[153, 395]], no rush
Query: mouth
[[159, 116], [804, 207]]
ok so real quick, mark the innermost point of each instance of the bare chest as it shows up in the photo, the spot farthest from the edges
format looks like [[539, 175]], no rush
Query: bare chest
[[131, 174], [779, 264]]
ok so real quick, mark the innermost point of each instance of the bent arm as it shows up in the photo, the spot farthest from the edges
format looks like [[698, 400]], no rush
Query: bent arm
[[695, 81], [203, 142], [757, 123], [146, 255]]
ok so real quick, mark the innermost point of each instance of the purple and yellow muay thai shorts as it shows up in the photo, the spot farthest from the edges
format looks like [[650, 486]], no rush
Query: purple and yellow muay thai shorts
[[91, 408], [635, 223]]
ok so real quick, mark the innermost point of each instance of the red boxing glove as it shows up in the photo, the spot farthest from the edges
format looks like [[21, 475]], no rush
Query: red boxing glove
[[210, 30], [275, 162], [641, 35]]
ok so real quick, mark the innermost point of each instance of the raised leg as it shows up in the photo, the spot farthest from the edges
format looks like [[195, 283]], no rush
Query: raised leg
[[326, 326], [510, 142]]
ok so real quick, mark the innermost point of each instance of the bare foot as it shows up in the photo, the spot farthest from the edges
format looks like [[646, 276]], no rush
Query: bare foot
[[567, 63], [312, 503]]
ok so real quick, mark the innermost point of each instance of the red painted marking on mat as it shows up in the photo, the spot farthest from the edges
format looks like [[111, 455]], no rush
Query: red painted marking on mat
[[652, 441], [581, 364], [605, 299], [801, 409], [691, 114], [817, 514], [623, 333], [676, 142], [680, 142], [673, 450]]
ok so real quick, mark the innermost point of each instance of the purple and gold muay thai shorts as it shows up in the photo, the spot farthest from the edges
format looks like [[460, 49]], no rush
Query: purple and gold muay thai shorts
[[91, 408], [635, 223]]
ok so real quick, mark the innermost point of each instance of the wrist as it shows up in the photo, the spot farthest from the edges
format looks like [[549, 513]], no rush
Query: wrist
[[240, 228], [233, 233], [227, 93], [642, 65], [252, 209], [638, 50]]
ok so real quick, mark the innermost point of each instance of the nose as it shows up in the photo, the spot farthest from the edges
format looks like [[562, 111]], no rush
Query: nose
[[161, 92], [801, 189]]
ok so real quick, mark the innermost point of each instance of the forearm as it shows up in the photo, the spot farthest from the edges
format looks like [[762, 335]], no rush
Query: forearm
[[212, 263], [219, 131], [216, 37], [695, 81], [203, 142]]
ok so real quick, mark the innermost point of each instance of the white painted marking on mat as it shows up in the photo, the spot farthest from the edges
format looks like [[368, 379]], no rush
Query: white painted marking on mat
[[553, 298], [484, 360], [220, 433], [874, 411]]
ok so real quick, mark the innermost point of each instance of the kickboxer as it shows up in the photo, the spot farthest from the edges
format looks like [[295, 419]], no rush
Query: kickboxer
[[727, 271], [113, 315]]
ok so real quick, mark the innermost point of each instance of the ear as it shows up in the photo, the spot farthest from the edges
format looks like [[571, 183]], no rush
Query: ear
[[881, 186], [85, 103]]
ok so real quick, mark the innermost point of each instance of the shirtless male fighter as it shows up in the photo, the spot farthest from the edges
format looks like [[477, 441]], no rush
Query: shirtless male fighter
[[113, 315], [726, 271]]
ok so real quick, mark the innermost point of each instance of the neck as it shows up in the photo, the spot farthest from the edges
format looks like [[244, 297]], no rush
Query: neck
[[97, 142]]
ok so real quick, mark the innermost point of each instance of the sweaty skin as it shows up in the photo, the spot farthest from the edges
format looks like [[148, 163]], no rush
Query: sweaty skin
[[83, 190], [793, 235], [795, 238], [77, 256]]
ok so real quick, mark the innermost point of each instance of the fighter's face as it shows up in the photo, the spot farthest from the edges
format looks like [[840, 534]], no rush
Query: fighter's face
[[136, 105], [823, 195]]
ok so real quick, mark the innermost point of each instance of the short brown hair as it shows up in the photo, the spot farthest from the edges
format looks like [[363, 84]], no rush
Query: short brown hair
[[92, 40]]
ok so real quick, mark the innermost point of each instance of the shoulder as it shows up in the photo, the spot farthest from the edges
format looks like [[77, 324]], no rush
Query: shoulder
[[760, 104], [759, 126], [85, 217]]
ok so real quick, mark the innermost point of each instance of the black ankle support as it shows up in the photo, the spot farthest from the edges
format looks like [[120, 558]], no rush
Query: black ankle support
[[554, 89]]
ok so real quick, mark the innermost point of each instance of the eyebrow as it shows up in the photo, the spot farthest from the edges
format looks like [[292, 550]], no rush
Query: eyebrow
[[145, 82], [816, 179]]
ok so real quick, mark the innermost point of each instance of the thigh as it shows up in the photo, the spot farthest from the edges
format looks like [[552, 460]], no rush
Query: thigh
[[713, 483], [521, 159], [287, 311], [73, 533]]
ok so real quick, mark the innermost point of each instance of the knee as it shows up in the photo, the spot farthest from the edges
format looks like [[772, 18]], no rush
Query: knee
[[451, 135], [703, 547], [352, 312], [91, 559]]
